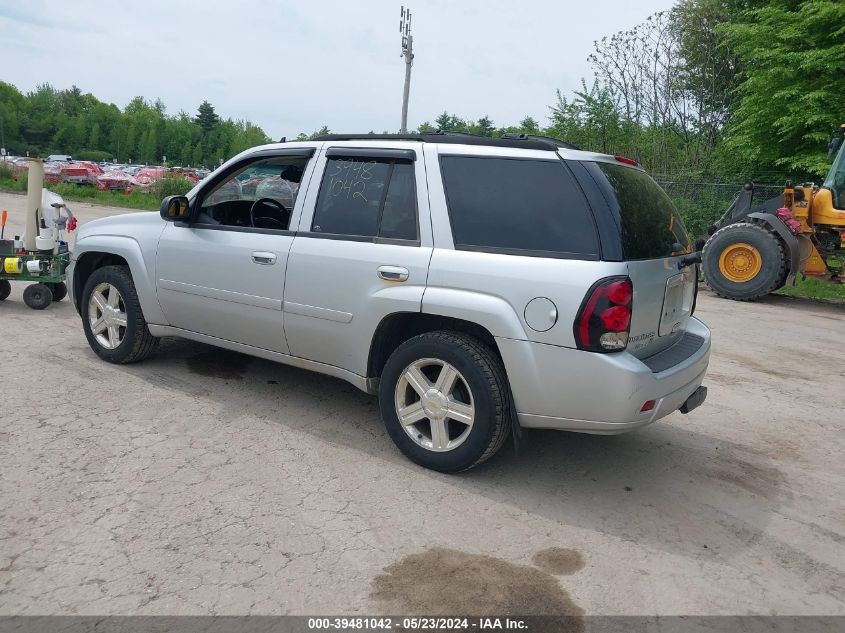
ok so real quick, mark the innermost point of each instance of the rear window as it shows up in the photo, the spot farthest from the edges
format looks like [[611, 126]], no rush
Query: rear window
[[648, 222], [521, 207]]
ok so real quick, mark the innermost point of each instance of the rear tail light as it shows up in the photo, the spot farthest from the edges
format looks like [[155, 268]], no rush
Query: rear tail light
[[604, 320], [616, 318]]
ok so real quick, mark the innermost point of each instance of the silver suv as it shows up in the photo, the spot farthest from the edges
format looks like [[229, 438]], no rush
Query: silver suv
[[476, 285]]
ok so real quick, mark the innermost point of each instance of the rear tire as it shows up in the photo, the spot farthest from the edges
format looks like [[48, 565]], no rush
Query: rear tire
[[5, 289], [744, 262], [37, 296], [479, 393], [130, 340]]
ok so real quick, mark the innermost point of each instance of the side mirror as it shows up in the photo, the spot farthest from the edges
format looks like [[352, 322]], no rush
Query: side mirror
[[175, 209]]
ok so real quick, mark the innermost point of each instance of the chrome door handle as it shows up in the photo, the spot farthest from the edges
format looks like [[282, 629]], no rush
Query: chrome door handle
[[393, 273], [260, 257]]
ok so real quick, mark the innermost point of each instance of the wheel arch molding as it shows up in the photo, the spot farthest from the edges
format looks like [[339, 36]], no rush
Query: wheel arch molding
[[95, 253], [398, 327]]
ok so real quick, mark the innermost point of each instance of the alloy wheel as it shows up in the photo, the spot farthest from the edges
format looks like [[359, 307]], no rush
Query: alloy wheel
[[107, 315], [434, 404]]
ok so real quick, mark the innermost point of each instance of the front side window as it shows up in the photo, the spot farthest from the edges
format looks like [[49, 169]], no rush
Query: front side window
[[367, 197], [261, 195], [522, 207]]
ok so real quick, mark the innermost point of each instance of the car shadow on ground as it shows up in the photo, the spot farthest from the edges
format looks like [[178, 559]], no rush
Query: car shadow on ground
[[667, 485]]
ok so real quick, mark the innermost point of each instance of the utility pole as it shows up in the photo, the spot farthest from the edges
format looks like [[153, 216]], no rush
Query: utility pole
[[408, 54]]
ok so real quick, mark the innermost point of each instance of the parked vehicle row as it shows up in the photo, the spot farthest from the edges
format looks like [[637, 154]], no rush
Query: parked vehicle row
[[105, 176]]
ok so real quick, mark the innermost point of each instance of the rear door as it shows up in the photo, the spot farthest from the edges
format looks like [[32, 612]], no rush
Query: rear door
[[653, 241], [362, 252]]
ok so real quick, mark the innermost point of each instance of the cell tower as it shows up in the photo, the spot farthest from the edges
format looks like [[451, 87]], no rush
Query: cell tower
[[408, 54]]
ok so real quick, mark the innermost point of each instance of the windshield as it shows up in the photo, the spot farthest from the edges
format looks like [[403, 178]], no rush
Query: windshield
[[648, 221], [835, 180]]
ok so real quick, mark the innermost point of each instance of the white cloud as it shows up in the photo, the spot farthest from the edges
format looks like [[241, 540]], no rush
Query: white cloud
[[295, 66]]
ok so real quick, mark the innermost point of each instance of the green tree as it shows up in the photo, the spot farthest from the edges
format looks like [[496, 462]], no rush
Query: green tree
[[206, 117], [483, 127], [50, 121], [321, 132], [94, 137], [529, 125], [11, 107], [198, 156], [127, 145], [186, 154], [593, 120], [148, 147], [450, 123], [707, 72], [792, 91]]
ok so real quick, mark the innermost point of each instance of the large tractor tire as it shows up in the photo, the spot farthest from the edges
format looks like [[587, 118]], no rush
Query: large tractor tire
[[744, 262]]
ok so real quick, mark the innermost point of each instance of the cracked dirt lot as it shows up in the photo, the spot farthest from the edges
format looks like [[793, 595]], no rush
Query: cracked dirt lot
[[203, 482]]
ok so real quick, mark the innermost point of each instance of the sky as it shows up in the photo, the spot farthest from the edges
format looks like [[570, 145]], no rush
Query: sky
[[294, 66]]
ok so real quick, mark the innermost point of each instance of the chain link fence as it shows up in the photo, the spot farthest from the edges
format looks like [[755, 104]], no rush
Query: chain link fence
[[702, 199]]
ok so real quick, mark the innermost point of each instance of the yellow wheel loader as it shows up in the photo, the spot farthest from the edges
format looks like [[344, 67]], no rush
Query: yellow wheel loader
[[755, 249]]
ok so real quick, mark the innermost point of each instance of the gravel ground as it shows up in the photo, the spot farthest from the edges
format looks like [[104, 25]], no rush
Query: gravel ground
[[207, 482]]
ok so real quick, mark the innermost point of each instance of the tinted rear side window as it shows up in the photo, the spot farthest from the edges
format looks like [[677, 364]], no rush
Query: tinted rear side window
[[648, 222], [523, 207]]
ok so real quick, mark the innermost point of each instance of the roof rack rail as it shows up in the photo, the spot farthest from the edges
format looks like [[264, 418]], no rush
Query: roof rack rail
[[446, 136], [540, 137]]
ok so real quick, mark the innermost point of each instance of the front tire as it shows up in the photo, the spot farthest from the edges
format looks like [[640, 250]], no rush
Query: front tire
[[112, 318], [5, 289], [445, 401], [744, 262]]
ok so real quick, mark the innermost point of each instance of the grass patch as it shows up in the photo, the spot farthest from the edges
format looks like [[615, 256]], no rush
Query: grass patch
[[16, 186], [134, 200], [813, 288], [6, 170]]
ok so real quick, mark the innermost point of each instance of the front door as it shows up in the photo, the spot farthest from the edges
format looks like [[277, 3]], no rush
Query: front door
[[362, 253], [224, 274]]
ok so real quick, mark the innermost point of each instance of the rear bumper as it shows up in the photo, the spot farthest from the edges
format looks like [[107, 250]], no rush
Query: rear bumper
[[567, 389], [667, 404]]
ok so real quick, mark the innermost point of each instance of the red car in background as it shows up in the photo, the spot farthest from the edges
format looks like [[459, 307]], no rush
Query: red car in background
[[52, 173], [146, 177], [114, 180]]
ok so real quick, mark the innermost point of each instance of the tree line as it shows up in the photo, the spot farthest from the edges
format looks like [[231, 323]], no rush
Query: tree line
[[52, 121], [750, 87]]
